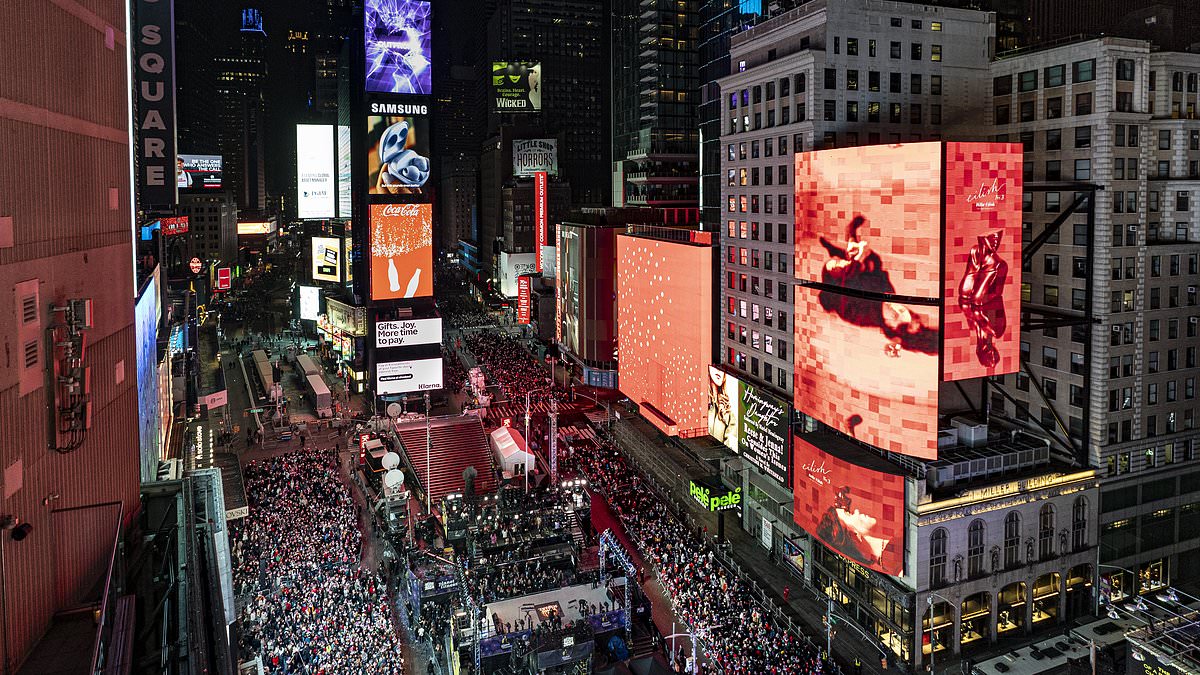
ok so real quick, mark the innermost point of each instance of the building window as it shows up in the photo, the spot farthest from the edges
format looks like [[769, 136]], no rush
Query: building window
[[1125, 69], [1001, 86], [1083, 104], [975, 543], [937, 557], [1083, 169], [1054, 76], [915, 51], [1046, 532], [935, 52], [1012, 539], [1083, 71], [1027, 80], [1083, 137]]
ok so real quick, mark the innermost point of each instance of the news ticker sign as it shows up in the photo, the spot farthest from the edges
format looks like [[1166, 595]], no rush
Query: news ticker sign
[[408, 333], [540, 187], [403, 377]]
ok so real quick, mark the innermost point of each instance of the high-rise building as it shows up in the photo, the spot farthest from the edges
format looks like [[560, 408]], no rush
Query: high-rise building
[[241, 130], [570, 39], [654, 89], [824, 75], [212, 227], [719, 19], [69, 386], [1121, 396]]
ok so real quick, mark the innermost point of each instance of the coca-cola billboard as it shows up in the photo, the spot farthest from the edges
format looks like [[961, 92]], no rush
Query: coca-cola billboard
[[401, 251]]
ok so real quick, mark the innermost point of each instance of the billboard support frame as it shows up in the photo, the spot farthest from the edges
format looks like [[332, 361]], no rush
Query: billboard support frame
[[1087, 202]]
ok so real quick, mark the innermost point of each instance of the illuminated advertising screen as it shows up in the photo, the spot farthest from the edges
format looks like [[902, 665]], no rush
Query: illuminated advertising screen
[[517, 86], [344, 201], [531, 155], [750, 422], [348, 254], [315, 182], [540, 186], [523, 299], [408, 332], [402, 377], [869, 218], [174, 226], [869, 368], [398, 154], [401, 251], [664, 329], [980, 333], [198, 172], [512, 266], [310, 302], [398, 39], [850, 499], [255, 228], [146, 327], [326, 259]]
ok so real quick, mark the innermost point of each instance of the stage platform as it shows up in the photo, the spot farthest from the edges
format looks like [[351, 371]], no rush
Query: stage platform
[[571, 603]]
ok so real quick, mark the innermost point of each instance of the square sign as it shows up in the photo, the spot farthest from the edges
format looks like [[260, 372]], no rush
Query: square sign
[[224, 279]]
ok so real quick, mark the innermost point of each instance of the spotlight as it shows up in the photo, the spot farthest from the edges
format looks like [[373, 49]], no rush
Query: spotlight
[[1137, 656]]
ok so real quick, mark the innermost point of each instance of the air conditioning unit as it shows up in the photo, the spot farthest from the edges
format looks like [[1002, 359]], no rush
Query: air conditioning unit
[[1191, 289], [1117, 329], [1133, 228], [1194, 319]]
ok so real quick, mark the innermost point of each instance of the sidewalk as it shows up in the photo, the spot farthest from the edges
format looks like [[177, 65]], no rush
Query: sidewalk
[[672, 468]]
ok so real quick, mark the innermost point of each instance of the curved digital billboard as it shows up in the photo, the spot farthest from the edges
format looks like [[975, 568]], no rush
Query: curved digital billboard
[[868, 219], [851, 500], [869, 369]]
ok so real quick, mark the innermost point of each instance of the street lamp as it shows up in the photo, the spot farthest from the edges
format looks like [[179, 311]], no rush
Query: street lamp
[[528, 395], [932, 633]]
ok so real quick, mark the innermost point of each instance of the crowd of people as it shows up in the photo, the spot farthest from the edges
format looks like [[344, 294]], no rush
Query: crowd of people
[[462, 312], [307, 604], [742, 638], [507, 363]]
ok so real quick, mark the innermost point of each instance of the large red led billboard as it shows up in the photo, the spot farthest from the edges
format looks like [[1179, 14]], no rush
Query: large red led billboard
[[664, 330], [869, 368], [851, 500], [983, 260], [401, 251], [868, 219]]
